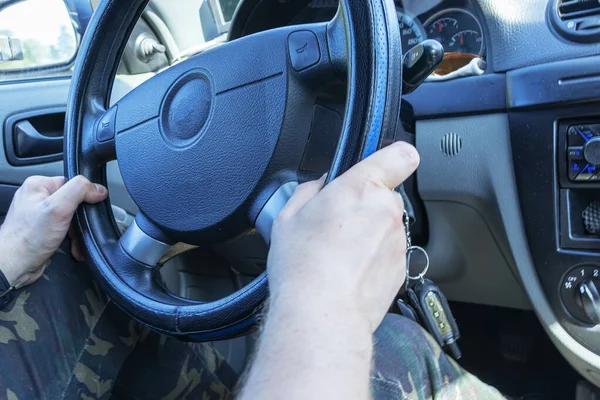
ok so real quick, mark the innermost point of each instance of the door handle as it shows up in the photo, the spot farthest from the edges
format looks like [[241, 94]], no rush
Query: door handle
[[34, 137], [30, 143]]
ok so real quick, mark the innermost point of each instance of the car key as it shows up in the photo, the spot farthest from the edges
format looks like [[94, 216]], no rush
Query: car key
[[434, 312], [406, 310], [425, 303]]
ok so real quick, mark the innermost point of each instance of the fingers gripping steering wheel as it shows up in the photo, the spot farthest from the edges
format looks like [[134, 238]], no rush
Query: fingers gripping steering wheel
[[210, 147]]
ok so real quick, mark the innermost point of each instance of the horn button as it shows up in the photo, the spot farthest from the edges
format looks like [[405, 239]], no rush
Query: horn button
[[186, 109], [197, 157]]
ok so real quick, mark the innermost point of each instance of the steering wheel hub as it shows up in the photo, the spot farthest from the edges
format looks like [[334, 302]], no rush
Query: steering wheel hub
[[194, 145], [186, 109]]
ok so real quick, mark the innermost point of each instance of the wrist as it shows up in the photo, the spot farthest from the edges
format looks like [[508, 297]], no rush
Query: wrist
[[10, 271], [326, 347], [319, 317], [10, 264], [319, 302]]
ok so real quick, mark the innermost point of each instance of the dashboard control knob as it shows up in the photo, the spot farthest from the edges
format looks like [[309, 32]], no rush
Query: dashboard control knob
[[591, 151], [590, 300]]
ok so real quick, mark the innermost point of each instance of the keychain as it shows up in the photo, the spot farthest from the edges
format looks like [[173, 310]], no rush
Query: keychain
[[425, 303], [409, 250]]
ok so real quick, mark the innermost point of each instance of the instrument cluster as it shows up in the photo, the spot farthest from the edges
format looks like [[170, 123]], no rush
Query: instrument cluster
[[453, 23], [457, 29]]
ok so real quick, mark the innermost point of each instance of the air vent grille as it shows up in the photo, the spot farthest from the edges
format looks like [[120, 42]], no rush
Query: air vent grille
[[571, 9], [576, 20]]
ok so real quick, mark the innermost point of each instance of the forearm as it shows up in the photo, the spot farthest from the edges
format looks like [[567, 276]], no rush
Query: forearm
[[309, 352]]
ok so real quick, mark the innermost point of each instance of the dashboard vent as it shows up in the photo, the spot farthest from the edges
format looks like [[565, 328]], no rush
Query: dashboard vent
[[572, 9], [576, 20]]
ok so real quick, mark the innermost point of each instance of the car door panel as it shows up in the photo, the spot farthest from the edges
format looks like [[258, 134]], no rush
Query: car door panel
[[29, 96]]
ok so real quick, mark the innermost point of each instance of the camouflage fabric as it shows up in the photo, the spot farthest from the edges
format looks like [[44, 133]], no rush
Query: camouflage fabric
[[409, 365], [63, 339]]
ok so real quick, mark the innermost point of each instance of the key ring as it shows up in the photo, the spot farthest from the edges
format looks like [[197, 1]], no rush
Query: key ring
[[422, 273]]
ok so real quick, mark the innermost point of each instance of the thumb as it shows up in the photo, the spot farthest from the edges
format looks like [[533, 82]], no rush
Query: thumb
[[77, 191], [389, 166], [303, 194]]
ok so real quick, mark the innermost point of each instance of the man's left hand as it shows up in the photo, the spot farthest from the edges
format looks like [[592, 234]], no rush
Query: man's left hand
[[38, 221]]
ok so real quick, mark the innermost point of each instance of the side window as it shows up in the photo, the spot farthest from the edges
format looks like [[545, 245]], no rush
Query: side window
[[36, 36], [40, 38], [168, 32], [228, 8]]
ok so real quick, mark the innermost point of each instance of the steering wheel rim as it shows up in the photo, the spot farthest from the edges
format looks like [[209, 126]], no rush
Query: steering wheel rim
[[363, 40]]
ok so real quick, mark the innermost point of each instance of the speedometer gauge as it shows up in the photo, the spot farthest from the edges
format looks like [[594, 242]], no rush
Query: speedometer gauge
[[411, 30], [457, 30]]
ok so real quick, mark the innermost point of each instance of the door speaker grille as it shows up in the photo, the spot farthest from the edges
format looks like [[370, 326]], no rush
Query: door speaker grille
[[451, 144]]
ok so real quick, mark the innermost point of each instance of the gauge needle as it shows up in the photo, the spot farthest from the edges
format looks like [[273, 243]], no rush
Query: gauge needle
[[461, 39], [440, 26]]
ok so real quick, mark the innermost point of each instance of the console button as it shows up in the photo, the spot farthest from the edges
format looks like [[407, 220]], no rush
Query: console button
[[575, 153], [575, 168], [580, 171], [304, 49], [579, 135], [588, 171]]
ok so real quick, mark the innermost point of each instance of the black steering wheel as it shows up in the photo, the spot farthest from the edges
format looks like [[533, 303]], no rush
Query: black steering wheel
[[210, 147]]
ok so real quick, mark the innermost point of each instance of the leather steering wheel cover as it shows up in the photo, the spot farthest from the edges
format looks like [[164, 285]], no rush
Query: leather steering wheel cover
[[374, 98], [373, 104]]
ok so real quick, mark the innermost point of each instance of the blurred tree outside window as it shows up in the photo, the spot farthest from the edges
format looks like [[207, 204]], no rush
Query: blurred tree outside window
[[42, 30]]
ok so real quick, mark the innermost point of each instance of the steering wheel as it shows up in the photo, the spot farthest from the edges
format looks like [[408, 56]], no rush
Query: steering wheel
[[210, 147]]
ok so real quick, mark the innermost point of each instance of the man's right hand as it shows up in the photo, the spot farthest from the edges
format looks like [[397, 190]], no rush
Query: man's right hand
[[337, 259], [342, 250]]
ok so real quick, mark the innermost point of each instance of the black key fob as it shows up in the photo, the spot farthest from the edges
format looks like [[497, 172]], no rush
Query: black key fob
[[407, 311], [433, 310]]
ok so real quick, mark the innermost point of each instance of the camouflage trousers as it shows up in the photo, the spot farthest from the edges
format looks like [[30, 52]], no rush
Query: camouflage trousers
[[409, 365], [63, 339]]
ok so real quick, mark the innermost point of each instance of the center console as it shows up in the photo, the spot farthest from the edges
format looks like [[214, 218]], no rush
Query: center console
[[556, 152], [579, 206]]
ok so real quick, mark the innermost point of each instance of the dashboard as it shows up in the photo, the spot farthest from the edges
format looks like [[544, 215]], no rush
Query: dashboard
[[454, 23]]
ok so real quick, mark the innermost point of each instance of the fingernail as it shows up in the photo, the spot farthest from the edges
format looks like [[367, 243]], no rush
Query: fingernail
[[100, 189]]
